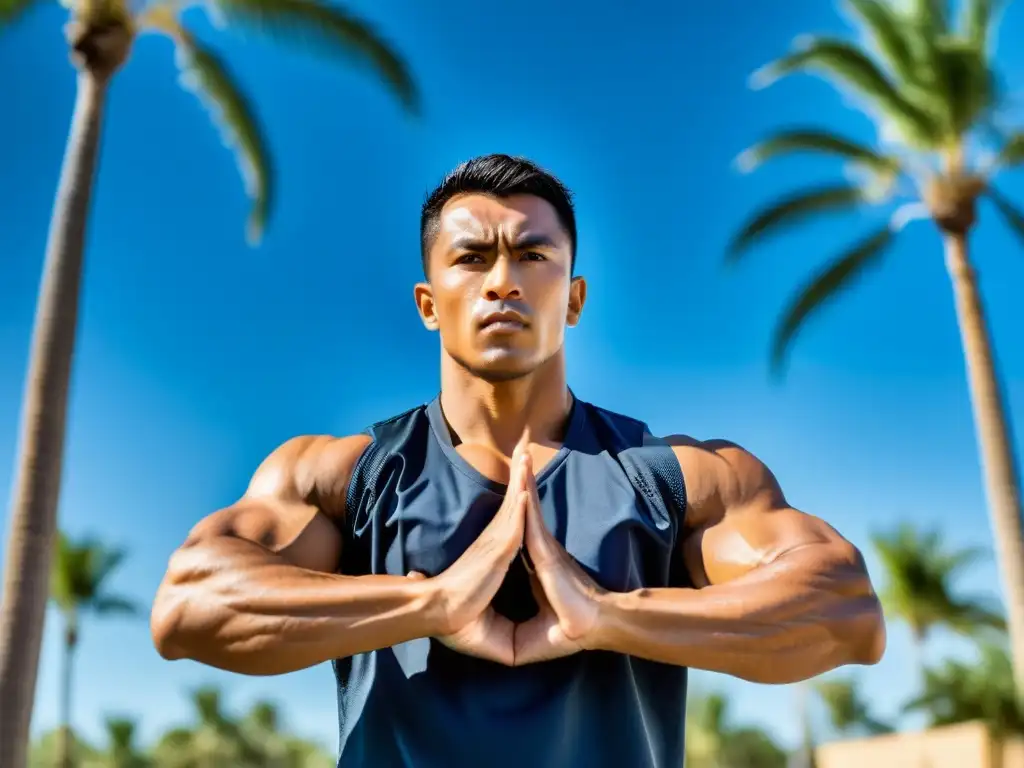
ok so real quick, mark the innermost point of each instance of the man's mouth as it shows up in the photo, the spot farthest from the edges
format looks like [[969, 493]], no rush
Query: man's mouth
[[503, 322]]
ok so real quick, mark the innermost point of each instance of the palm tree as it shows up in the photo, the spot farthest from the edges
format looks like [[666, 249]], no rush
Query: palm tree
[[712, 741], [101, 35], [928, 81], [262, 728], [847, 709], [216, 738], [79, 585], [122, 751], [958, 692], [918, 587]]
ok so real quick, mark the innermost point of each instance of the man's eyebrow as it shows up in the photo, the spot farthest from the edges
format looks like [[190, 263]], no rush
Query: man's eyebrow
[[469, 242], [538, 240]]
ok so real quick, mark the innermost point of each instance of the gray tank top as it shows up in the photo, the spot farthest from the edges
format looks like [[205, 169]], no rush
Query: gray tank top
[[614, 496]]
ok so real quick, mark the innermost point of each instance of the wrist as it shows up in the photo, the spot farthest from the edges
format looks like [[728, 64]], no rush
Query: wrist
[[612, 609], [430, 606]]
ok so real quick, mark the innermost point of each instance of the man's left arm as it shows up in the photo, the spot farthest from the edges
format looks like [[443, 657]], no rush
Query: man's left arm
[[780, 597]]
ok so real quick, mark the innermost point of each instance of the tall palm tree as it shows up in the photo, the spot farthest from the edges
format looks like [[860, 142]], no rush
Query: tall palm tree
[[849, 713], [929, 83], [101, 35], [78, 585]]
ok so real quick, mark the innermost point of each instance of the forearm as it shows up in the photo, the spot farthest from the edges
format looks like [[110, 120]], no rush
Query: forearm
[[234, 605], [804, 614]]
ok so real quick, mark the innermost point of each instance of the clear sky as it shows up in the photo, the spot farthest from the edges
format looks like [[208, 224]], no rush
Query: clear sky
[[198, 355]]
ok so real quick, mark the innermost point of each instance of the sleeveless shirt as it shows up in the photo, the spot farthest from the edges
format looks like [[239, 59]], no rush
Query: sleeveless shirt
[[613, 495]]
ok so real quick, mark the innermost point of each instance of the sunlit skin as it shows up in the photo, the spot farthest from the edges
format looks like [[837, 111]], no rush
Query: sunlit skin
[[778, 595]]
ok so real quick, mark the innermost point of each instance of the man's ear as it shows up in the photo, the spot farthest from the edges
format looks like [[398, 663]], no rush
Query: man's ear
[[424, 296], [577, 298]]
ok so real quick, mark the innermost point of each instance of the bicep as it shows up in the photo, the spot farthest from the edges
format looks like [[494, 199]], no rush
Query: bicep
[[740, 519], [293, 504], [300, 533], [746, 538]]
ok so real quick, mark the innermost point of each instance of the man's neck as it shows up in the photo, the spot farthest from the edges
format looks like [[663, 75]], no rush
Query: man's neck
[[494, 414]]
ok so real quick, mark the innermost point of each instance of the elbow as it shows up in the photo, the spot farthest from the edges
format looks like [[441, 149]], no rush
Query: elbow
[[165, 624], [869, 642]]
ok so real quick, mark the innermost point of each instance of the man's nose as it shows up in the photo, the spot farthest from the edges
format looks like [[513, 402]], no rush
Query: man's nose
[[502, 281]]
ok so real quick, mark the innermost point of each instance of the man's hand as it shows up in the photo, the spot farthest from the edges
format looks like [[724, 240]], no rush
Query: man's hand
[[470, 625], [568, 598]]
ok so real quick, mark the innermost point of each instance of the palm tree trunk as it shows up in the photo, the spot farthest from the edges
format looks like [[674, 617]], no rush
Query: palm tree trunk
[[1002, 485], [37, 482], [65, 746]]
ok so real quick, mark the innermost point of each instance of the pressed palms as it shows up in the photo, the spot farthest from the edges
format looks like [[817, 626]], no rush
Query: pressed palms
[[79, 585], [928, 81], [847, 709], [101, 35]]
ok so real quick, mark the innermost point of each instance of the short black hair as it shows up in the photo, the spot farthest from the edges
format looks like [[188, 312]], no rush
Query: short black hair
[[500, 176]]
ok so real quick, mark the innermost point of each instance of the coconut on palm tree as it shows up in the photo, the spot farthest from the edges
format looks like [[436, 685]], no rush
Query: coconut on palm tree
[[928, 81], [101, 35], [78, 586]]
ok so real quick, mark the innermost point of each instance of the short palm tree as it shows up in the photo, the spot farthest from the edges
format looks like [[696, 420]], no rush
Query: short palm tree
[[848, 711], [122, 750], [713, 741], [216, 738], [81, 571], [928, 81], [101, 35], [959, 692], [275, 747]]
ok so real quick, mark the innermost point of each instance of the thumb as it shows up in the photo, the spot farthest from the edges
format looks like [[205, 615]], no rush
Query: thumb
[[415, 576]]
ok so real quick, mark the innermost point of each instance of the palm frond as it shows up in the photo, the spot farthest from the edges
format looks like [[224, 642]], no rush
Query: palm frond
[[205, 73], [976, 18], [887, 32], [963, 83], [1013, 215], [825, 286], [846, 64], [1012, 152], [108, 604], [11, 9], [931, 15], [336, 29], [793, 210], [817, 141]]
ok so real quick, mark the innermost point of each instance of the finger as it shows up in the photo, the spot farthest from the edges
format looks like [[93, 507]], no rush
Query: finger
[[541, 545], [416, 576]]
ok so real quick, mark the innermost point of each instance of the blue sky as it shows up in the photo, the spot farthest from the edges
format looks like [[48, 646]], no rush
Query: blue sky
[[198, 355]]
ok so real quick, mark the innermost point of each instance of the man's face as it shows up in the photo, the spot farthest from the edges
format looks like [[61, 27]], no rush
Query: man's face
[[500, 290]]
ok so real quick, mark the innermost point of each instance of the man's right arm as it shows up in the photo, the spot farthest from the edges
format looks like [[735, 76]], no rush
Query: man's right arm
[[254, 587]]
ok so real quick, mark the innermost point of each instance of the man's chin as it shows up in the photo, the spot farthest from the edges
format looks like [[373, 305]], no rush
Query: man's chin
[[498, 367]]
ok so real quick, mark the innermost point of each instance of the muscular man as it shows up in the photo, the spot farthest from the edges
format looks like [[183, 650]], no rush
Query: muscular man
[[508, 575]]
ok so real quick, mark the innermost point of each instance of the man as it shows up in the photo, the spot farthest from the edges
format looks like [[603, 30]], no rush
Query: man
[[508, 575]]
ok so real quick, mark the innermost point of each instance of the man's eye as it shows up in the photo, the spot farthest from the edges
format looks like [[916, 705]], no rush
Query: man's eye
[[534, 256], [469, 258]]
